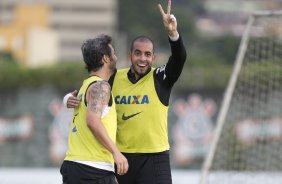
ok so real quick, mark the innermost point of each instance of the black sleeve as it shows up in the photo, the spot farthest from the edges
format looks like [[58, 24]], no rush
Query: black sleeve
[[176, 61], [165, 76]]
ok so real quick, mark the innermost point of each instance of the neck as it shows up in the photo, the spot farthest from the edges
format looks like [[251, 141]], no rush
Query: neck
[[137, 76], [102, 74]]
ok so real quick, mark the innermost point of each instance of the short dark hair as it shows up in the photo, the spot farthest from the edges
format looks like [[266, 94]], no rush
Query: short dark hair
[[142, 38], [93, 51]]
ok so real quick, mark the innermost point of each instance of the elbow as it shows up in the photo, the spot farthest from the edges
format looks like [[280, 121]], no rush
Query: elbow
[[89, 125], [88, 121], [92, 125]]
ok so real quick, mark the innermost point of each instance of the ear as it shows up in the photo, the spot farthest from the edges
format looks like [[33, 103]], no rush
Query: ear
[[105, 59], [154, 57], [129, 56]]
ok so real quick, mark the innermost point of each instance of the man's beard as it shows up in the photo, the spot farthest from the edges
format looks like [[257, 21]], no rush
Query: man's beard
[[141, 74], [113, 67]]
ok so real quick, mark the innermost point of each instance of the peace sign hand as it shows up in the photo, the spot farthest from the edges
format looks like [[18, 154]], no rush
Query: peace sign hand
[[169, 20]]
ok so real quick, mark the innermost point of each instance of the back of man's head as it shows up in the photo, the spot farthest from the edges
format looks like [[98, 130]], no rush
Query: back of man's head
[[93, 51]]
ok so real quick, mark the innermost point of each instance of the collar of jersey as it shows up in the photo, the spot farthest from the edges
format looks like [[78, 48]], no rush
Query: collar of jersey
[[131, 76]]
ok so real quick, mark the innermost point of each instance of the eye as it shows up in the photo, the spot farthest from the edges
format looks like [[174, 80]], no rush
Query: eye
[[148, 54], [137, 53]]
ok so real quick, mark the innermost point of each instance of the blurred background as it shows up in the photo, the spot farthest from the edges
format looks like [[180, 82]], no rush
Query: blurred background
[[40, 61]]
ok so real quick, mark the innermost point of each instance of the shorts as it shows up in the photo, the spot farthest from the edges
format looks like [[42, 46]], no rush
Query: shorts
[[147, 168], [76, 173]]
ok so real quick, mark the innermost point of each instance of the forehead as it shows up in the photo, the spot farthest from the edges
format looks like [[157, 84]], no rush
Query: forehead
[[143, 46]]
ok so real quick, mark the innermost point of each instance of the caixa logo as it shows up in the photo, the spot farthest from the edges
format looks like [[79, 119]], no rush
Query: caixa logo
[[134, 99]]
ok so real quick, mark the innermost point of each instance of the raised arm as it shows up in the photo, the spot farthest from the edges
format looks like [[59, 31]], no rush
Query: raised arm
[[97, 97], [168, 74], [169, 21]]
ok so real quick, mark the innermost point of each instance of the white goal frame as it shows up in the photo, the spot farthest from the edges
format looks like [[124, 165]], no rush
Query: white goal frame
[[229, 91]]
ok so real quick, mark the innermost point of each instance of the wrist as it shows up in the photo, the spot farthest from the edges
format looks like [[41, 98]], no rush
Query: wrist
[[115, 151], [174, 36], [65, 100]]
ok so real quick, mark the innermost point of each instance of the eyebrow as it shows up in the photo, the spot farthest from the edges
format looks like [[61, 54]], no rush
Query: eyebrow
[[138, 50]]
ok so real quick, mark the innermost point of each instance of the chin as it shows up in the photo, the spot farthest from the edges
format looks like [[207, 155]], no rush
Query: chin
[[142, 73], [143, 70]]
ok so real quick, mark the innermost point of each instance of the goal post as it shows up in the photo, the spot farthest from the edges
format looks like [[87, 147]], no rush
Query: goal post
[[248, 133]]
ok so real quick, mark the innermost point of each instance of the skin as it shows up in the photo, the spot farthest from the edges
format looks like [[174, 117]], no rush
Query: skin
[[113, 60], [141, 57], [170, 24]]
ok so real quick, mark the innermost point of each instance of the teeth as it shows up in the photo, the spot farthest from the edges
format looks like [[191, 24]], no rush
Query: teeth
[[141, 65]]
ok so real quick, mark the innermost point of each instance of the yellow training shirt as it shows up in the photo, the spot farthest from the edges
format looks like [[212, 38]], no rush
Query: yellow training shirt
[[142, 118], [82, 143]]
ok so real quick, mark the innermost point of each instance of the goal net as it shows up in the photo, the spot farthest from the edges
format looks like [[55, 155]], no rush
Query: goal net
[[247, 145]]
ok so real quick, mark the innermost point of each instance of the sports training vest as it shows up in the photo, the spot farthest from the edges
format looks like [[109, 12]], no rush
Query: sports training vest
[[142, 118], [82, 143]]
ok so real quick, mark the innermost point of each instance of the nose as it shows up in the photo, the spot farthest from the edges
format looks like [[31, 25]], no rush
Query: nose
[[143, 57]]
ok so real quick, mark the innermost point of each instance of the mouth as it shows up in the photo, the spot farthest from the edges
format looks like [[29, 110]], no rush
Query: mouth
[[141, 65]]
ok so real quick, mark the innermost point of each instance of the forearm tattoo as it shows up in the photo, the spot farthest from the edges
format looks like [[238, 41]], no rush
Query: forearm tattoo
[[98, 96]]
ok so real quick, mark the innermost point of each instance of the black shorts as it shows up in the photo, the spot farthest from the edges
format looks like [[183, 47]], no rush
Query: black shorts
[[149, 168], [76, 173]]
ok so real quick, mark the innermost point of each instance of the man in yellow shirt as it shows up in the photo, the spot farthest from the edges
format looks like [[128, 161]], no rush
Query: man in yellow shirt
[[141, 94], [92, 151]]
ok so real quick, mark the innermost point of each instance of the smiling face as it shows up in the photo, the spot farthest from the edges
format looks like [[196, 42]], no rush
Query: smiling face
[[142, 57]]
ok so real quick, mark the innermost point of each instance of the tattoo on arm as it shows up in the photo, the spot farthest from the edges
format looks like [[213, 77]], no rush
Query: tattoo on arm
[[98, 96]]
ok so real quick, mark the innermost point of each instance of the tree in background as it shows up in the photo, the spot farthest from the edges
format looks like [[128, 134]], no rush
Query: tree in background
[[140, 17]]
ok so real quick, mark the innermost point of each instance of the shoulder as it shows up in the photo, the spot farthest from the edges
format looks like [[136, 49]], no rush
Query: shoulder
[[160, 70], [121, 71], [100, 86], [98, 93]]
